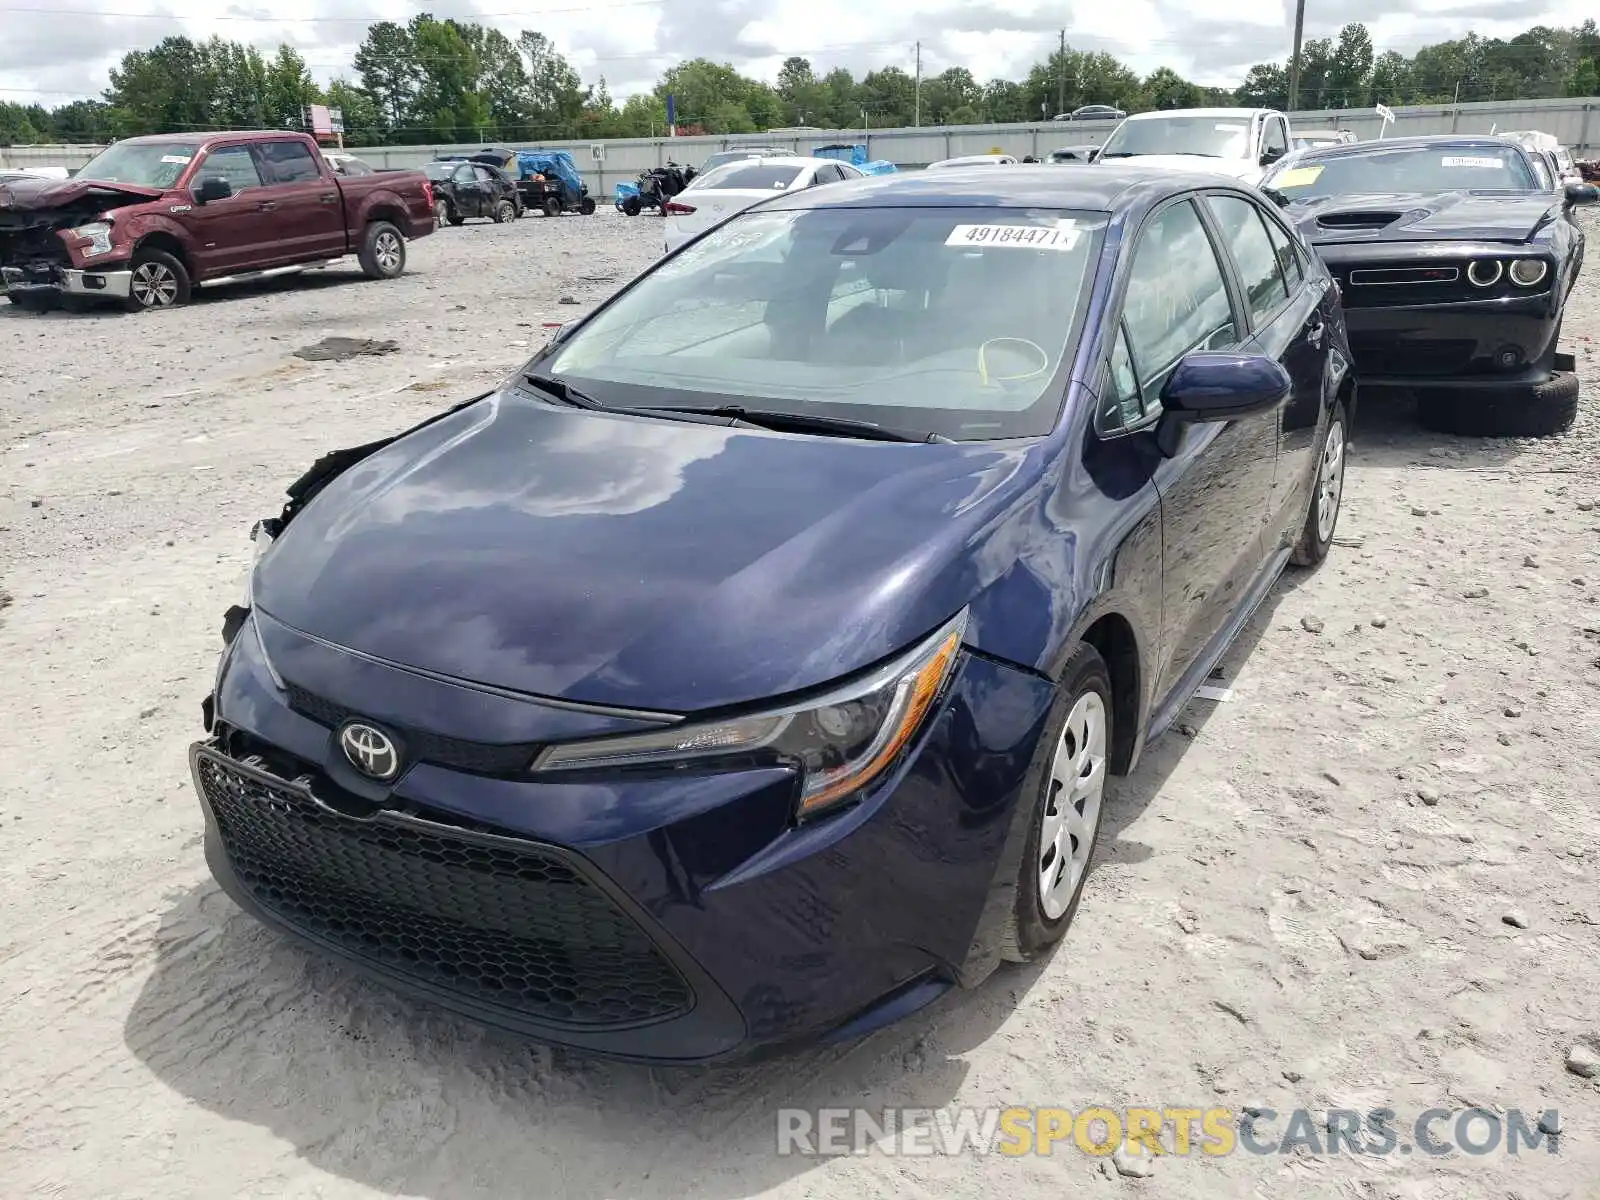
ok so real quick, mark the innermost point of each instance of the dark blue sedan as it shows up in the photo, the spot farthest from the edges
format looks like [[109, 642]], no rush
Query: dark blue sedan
[[747, 670]]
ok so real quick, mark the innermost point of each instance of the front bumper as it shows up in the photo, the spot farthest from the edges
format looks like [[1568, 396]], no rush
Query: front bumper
[[1487, 344], [66, 281], [676, 917]]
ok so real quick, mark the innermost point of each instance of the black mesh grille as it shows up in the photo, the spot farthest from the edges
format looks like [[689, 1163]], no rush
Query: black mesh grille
[[480, 758], [1385, 354], [503, 923]]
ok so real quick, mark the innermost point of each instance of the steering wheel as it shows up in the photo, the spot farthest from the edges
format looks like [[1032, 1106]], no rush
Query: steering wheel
[[983, 361]]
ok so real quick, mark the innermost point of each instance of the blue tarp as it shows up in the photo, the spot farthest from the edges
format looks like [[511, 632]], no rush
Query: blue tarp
[[854, 155], [878, 166], [551, 162]]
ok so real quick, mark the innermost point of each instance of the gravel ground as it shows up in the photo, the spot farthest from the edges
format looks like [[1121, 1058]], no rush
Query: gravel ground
[[1303, 896]]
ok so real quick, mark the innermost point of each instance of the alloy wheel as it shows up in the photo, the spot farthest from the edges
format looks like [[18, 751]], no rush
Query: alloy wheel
[[1330, 480], [154, 285], [386, 249], [1072, 809]]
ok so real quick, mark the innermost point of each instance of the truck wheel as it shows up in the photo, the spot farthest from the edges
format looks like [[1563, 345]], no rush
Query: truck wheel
[[1535, 410], [504, 211], [159, 281], [632, 206], [586, 206], [552, 207], [383, 251]]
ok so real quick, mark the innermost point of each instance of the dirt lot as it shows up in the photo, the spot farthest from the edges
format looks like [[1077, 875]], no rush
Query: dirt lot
[[1303, 896]]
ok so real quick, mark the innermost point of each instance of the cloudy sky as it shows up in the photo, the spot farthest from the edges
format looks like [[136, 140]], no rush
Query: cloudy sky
[[53, 51]]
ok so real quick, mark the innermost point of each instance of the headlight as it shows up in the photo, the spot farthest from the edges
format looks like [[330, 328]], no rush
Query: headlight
[[97, 234], [1484, 272], [1526, 272], [260, 543], [840, 741]]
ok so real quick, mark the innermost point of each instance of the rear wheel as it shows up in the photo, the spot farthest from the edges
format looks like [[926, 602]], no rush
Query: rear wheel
[[504, 211], [632, 206], [383, 251], [1534, 410], [159, 281], [586, 206], [552, 207], [1070, 774], [454, 217], [1327, 491]]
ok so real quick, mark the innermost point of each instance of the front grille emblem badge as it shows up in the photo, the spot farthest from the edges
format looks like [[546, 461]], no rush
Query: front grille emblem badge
[[370, 750]]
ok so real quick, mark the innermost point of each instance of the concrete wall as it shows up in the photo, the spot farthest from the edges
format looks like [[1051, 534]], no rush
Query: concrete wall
[[1575, 122]]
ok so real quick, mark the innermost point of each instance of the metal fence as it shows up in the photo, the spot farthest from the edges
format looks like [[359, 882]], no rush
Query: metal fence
[[1574, 122]]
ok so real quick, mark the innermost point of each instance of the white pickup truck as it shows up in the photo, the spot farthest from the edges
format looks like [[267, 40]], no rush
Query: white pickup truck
[[1242, 142]]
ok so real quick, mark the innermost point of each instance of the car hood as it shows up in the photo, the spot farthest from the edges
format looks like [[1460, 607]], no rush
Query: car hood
[[1409, 217], [1239, 168], [634, 562], [29, 194]]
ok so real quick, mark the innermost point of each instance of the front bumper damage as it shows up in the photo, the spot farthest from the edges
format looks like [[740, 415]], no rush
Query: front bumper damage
[[50, 279]]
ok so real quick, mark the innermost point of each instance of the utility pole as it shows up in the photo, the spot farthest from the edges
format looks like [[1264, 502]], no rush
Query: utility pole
[[1061, 98], [918, 119], [1294, 60]]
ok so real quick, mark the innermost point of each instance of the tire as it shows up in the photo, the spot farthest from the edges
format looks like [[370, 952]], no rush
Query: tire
[[1080, 730], [159, 281], [503, 211], [586, 206], [632, 206], [451, 215], [1327, 493], [552, 207], [1537, 410], [383, 251]]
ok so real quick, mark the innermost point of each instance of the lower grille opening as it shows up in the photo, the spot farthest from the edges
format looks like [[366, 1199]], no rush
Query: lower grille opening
[[501, 922]]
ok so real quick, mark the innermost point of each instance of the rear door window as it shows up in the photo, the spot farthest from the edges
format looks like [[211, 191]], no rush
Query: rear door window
[[288, 162], [1246, 236]]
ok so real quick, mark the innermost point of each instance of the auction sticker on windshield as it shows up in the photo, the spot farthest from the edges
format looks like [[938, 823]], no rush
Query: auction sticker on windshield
[[179, 159], [1487, 164], [1063, 235], [1298, 176]]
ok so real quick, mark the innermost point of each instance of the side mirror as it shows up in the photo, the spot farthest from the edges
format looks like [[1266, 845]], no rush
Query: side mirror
[[1271, 155], [213, 187], [1581, 193], [1210, 386]]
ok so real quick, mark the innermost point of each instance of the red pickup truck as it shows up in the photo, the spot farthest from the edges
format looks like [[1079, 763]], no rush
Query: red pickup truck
[[150, 217]]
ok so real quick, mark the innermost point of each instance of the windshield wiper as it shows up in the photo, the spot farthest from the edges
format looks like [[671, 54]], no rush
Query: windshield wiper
[[806, 423], [561, 390]]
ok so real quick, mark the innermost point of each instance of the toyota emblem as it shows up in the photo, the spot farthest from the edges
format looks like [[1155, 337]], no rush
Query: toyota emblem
[[370, 751]]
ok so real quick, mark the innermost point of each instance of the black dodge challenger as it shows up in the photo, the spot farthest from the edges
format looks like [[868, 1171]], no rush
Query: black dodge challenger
[[1455, 265]]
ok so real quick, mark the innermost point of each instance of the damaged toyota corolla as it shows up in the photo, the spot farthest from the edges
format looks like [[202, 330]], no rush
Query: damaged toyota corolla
[[149, 218], [749, 667]]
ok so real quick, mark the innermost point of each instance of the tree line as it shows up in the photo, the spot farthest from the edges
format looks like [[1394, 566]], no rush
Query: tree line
[[432, 81]]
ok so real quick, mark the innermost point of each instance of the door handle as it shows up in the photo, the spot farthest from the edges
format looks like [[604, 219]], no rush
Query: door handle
[[267, 206], [329, 198]]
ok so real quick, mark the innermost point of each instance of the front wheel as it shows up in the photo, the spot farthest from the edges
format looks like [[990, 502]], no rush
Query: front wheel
[[632, 206], [383, 251], [586, 206], [1327, 491], [1529, 410], [1069, 775], [453, 216], [159, 281], [552, 207]]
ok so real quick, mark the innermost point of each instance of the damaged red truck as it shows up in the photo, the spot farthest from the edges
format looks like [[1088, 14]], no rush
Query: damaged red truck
[[150, 217]]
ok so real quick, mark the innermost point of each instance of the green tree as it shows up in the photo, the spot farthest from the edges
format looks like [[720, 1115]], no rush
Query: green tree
[[1004, 100], [1391, 78], [1164, 88], [386, 62], [1266, 85], [1349, 71], [363, 123], [289, 90]]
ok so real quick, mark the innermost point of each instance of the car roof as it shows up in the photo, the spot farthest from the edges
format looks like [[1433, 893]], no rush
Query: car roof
[[1423, 141], [1199, 112], [789, 160], [201, 138], [1088, 187]]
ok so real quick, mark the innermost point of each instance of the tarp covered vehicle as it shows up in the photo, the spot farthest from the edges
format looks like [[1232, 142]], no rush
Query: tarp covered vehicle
[[550, 182], [856, 156]]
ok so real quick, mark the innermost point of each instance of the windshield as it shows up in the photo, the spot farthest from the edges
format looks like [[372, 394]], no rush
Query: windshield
[[1422, 170], [956, 321], [1214, 137], [145, 164], [754, 176]]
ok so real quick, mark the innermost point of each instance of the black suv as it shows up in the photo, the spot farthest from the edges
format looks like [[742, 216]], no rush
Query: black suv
[[473, 189]]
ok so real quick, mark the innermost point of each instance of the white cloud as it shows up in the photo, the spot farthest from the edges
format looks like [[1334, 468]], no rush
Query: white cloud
[[55, 56]]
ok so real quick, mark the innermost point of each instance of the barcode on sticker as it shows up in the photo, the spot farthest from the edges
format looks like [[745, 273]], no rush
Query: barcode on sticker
[[1487, 164], [1060, 236]]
